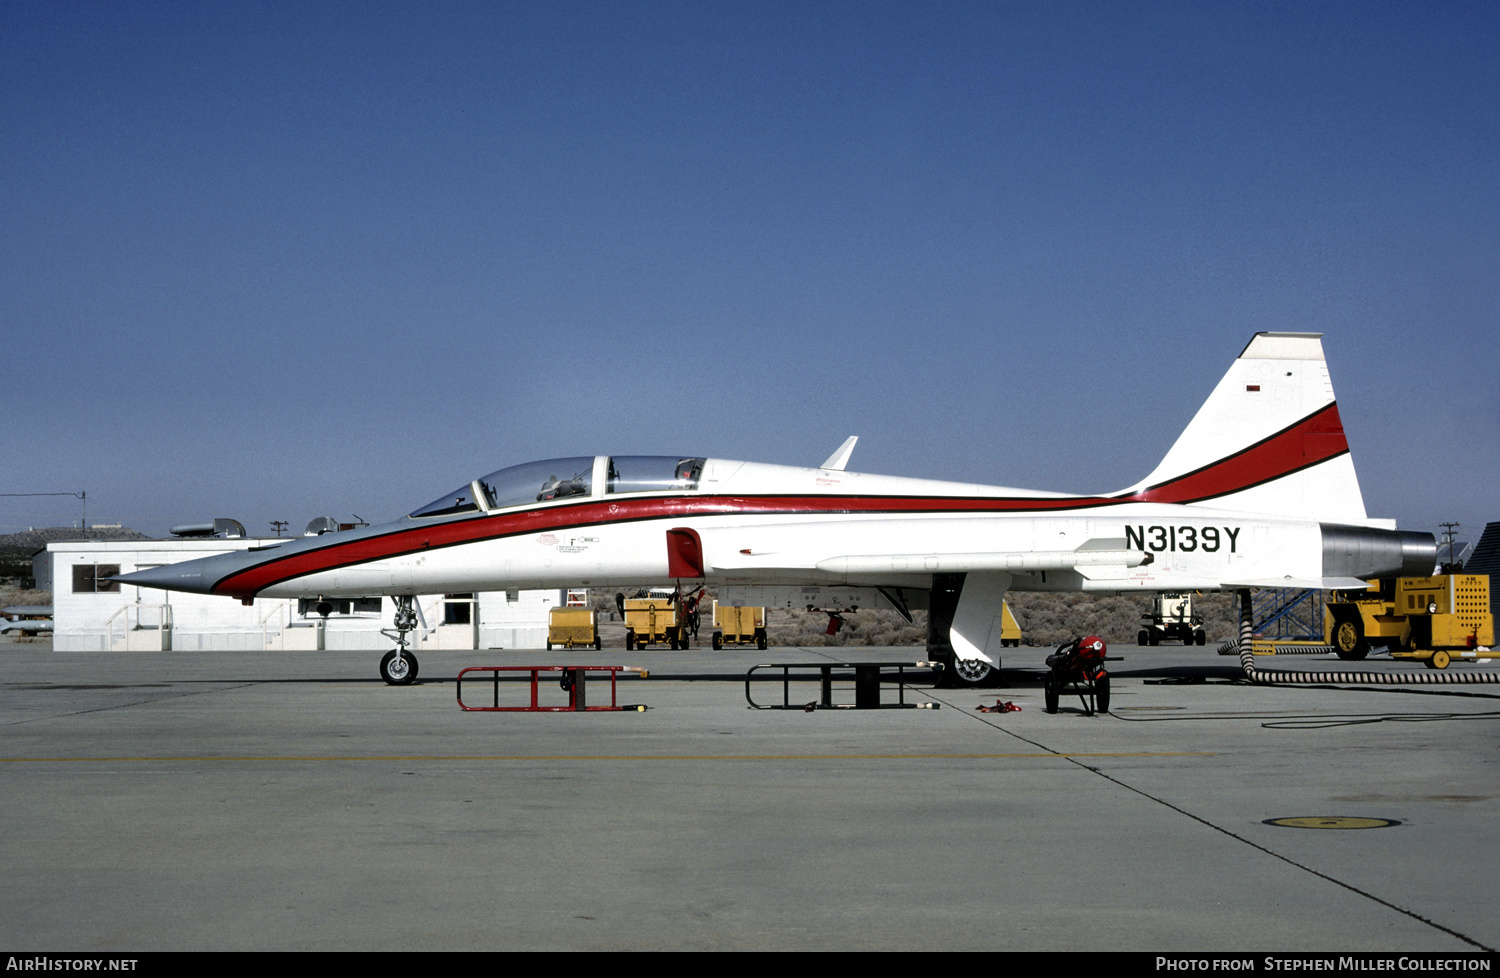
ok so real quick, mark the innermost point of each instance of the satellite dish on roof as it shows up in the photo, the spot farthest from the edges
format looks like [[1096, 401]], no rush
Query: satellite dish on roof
[[320, 526]]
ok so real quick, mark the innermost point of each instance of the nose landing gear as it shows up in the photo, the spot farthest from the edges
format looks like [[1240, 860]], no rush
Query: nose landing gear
[[398, 667]]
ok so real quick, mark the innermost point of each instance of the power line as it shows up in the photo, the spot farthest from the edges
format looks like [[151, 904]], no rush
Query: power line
[[83, 522]]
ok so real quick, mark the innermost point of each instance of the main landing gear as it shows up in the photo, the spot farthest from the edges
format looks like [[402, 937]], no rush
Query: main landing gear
[[970, 672], [398, 667]]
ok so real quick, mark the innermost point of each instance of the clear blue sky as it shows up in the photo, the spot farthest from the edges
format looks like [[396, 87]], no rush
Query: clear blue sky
[[276, 261]]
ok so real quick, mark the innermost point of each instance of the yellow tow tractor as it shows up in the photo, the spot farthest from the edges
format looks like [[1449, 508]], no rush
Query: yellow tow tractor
[[573, 628], [739, 625], [652, 621], [1433, 619]]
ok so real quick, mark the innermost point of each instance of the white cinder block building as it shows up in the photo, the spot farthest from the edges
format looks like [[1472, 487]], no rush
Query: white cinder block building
[[92, 613]]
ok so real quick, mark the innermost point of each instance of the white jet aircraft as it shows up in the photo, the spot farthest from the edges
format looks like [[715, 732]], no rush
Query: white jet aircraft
[[1258, 491]]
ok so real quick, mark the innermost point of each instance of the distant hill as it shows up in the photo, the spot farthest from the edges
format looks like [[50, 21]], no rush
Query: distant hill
[[40, 537], [16, 548]]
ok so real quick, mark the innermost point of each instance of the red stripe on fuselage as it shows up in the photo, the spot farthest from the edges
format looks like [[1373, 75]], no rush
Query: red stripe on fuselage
[[1316, 438], [418, 538]]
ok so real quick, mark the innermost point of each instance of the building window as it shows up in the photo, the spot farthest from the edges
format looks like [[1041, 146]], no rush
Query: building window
[[91, 579], [458, 609]]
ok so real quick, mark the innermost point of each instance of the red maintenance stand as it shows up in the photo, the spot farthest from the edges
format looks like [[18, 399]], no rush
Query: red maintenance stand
[[573, 680]]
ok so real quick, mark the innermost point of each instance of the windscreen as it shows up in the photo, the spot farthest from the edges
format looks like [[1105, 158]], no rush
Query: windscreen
[[460, 500], [653, 473]]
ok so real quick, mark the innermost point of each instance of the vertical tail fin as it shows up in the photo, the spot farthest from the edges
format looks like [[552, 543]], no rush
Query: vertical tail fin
[[1268, 439]]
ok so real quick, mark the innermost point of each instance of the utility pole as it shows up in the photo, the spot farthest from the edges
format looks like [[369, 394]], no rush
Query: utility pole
[[1449, 536], [279, 525]]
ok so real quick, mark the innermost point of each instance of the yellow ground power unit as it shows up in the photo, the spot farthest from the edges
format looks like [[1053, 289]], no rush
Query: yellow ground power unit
[[652, 621], [1433, 619], [573, 628], [739, 625]]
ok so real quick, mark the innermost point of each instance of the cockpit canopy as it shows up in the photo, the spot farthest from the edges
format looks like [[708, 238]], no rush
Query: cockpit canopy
[[561, 478], [653, 473]]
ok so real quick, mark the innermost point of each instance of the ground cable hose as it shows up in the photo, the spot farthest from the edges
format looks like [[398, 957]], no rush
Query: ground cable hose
[[1430, 677]]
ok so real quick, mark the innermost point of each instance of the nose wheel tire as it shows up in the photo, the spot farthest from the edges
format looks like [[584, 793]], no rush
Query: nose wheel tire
[[398, 672]]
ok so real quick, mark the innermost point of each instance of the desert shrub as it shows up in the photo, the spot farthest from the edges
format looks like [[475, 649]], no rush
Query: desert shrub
[[1045, 619], [1051, 619], [809, 628], [12, 595]]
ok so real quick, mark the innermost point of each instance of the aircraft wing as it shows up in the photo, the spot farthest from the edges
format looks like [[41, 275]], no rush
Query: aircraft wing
[[1305, 583]]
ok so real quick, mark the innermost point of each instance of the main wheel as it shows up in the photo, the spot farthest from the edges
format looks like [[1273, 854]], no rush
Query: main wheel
[[398, 672], [1101, 694], [1349, 639], [969, 672], [1049, 691]]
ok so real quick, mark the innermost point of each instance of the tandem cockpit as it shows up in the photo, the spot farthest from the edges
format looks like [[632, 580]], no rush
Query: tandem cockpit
[[561, 478]]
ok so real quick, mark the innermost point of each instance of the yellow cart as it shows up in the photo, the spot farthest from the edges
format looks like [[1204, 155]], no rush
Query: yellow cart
[[573, 628], [739, 625]]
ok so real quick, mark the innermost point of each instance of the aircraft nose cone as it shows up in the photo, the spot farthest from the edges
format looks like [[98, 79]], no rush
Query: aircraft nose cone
[[171, 577]]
